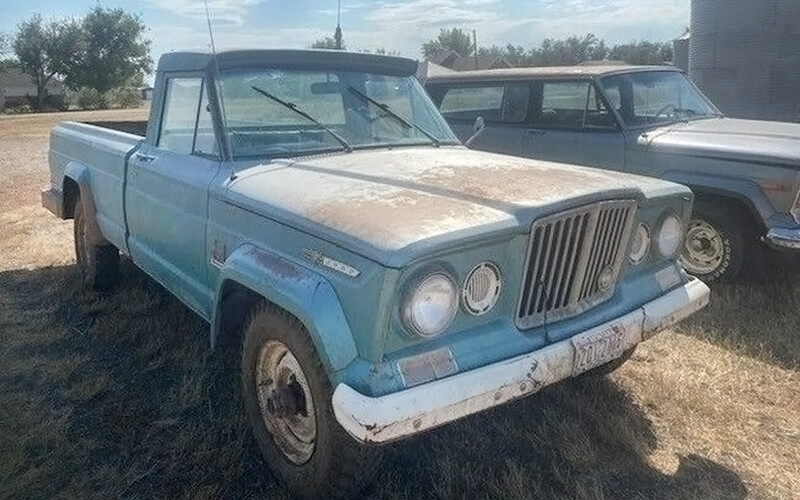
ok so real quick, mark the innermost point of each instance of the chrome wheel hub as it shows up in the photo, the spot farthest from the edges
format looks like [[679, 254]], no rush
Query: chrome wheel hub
[[703, 248], [285, 401]]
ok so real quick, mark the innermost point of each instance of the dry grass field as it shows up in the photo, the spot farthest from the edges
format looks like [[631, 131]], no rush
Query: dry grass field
[[118, 395]]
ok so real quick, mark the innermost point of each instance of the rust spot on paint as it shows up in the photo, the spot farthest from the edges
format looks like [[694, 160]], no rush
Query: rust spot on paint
[[279, 266]]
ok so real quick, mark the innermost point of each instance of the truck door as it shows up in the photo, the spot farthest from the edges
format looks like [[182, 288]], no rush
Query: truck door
[[166, 199], [503, 107], [571, 123]]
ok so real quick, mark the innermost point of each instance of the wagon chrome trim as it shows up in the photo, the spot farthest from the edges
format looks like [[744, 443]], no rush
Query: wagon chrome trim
[[411, 411]]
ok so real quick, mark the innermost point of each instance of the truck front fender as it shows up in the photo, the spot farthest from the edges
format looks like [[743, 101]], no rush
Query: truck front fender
[[745, 191], [301, 292]]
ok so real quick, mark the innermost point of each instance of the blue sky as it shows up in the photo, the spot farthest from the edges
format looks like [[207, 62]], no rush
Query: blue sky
[[400, 26]]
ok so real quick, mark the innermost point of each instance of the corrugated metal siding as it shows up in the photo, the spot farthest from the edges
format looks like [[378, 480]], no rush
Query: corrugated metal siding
[[745, 55]]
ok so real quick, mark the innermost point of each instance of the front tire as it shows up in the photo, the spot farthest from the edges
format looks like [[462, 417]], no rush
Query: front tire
[[288, 402], [99, 264], [714, 246]]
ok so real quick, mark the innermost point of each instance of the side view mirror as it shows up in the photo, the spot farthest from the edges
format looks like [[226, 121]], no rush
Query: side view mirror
[[477, 129]]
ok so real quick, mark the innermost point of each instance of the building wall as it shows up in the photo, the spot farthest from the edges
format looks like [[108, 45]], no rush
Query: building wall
[[745, 55]]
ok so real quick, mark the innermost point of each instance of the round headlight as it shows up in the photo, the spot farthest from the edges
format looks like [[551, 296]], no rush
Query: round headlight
[[640, 244], [481, 288], [431, 305], [669, 236]]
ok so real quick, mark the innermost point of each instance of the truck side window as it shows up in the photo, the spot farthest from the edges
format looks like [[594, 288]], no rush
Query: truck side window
[[495, 103], [205, 143], [572, 105], [180, 114]]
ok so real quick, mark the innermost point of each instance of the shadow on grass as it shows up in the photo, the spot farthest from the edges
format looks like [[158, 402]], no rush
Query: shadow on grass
[[757, 314], [119, 396]]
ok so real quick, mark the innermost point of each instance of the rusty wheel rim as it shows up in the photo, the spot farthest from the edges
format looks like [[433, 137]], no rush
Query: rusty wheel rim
[[703, 248], [285, 402]]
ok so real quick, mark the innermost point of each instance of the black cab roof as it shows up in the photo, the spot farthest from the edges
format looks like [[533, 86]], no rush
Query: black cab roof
[[296, 59]]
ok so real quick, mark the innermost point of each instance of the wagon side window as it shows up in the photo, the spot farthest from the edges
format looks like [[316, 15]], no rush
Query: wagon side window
[[499, 103], [572, 105]]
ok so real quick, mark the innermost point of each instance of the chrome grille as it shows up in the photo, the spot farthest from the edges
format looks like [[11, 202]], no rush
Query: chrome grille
[[567, 253]]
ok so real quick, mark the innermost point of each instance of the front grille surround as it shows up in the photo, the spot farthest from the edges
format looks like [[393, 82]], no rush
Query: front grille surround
[[566, 254]]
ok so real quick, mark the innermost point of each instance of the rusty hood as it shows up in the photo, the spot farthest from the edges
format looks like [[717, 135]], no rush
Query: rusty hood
[[761, 142], [393, 206]]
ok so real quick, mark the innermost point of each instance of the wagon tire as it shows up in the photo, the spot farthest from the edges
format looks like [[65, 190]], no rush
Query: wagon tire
[[288, 402], [98, 263], [713, 249]]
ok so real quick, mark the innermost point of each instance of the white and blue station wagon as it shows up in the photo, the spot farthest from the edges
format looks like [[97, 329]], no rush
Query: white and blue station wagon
[[382, 279]]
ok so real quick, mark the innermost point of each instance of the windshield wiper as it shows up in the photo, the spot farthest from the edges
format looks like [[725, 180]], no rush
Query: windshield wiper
[[345, 145], [391, 114]]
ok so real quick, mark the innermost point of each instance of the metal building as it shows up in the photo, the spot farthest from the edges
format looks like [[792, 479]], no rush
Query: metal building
[[680, 52], [745, 55]]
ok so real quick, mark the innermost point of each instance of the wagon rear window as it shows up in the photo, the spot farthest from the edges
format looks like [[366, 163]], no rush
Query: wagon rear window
[[495, 103]]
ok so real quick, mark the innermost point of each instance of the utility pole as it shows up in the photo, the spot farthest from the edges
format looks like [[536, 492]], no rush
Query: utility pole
[[337, 35], [475, 47]]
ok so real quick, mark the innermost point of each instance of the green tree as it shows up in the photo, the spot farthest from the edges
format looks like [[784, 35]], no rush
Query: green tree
[[456, 39], [44, 51], [569, 51], [642, 52], [114, 53], [327, 43]]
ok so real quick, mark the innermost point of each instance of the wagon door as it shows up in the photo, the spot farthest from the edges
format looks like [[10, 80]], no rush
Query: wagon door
[[571, 123], [503, 107]]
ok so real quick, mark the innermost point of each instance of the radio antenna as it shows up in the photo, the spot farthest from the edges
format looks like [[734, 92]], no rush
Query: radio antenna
[[218, 89]]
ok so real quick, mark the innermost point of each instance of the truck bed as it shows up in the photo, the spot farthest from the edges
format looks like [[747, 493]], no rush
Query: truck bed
[[129, 127], [100, 151]]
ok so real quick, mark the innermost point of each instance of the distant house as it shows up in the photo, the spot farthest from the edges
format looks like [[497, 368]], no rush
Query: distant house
[[452, 60], [427, 69], [18, 88], [146, 93]]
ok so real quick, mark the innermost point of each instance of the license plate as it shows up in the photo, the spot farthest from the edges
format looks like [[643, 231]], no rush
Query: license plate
[[597, 349]]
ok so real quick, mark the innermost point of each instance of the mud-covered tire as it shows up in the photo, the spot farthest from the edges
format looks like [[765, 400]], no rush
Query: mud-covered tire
[[339, 466], [714, 248], [98, 264]]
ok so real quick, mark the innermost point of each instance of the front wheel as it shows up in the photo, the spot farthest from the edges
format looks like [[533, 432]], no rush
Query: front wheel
[[714, 246], [288, 402]]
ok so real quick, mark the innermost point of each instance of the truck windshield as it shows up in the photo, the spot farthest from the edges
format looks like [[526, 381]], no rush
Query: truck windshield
[[655, 97], [364, 110]]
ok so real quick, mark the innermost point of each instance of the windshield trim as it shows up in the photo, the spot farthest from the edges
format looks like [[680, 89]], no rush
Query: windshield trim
[[335, 150]]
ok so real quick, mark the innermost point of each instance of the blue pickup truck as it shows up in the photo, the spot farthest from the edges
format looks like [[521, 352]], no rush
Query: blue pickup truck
[[382, 279]]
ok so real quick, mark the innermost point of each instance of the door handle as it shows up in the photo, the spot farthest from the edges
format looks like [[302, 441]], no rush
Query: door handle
[[533, 131], [144, 158]]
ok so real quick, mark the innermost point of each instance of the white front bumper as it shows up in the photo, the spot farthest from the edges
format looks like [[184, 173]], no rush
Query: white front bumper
[[401, 414]]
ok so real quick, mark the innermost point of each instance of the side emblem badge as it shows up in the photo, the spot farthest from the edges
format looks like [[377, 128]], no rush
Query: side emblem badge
[[319, 258]]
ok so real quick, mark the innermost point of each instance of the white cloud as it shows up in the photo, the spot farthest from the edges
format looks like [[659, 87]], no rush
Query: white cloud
[[609, 18], [222, 11], [403, 26]]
